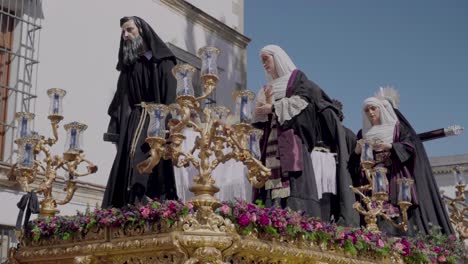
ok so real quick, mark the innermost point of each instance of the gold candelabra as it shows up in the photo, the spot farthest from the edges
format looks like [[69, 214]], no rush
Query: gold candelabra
[[28, 168], [217, 141], [376, 204], [459, 209]]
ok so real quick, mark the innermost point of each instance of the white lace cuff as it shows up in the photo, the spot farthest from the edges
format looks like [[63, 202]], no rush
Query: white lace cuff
[[287, 108]]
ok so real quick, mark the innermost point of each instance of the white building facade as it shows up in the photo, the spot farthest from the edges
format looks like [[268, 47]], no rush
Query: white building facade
[[73, 45]]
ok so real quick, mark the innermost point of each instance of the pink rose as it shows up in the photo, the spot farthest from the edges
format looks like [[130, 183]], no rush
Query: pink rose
[[145, 212], [225, 209], [380, 243], [189, 205], [442, 258], [253, 218], [318, 225], [399, 246], [166, 214]]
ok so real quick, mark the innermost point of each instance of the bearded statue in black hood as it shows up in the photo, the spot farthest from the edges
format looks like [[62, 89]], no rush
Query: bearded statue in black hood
[[145, 64]]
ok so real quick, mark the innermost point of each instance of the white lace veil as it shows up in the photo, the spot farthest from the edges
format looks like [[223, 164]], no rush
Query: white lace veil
[[388, 119]]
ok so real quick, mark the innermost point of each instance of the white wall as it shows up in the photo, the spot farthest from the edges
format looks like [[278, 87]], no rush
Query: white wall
[[78, 53]]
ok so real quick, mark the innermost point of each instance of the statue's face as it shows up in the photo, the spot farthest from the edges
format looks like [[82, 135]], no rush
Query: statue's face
[[373, 113], [269, 64], [130, 30]]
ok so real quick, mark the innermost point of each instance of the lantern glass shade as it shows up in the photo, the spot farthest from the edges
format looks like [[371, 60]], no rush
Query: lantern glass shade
[[459, 176], [209, 58], [56, 97], [367, 152], [254, 137], [244, 104], [157, 125], [74, 140], [26, 151], [184, 75], [380, 181], [219, 114], [175, 111], [404, 189], [24, 122]]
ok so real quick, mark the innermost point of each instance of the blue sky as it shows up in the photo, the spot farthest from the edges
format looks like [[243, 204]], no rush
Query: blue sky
[[350, 48]]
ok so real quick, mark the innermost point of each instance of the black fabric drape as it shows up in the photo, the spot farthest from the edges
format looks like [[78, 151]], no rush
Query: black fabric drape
[[30, 204], [431, 209]]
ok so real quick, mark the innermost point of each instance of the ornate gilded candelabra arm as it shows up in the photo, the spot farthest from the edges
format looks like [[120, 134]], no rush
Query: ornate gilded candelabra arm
[[54, 121], [70, 188], [258, 174], [156, 153], [72, 166]]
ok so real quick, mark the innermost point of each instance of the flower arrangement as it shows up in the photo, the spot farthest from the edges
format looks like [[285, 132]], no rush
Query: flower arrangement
[[269, 223]]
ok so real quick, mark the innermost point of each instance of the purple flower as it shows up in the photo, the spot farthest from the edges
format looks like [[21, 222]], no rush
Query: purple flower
[[243, 220], [264, 220]]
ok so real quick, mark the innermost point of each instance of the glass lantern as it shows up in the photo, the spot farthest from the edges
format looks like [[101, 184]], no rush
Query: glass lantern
[[367, 152], [157, 124], [254, 142], [26, 151], [74, 141], [404, 189], [209, 58], [459, 176], [24, 121], [380, 181], [244, 103], [184, 74], [220, 113], [56, 97], [175, 111]]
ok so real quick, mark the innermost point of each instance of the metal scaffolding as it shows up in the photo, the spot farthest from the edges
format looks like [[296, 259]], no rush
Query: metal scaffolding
[[19, 53]]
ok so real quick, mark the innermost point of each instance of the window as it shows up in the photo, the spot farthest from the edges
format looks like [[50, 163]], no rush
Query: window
[[6, 41], [7, 240], [19, 49]]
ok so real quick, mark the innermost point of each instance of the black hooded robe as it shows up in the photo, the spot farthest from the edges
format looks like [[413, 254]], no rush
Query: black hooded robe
[[319, 121], [151, 81]]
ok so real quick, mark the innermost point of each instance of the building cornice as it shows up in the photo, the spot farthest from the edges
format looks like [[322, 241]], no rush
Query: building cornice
[[83, 186], [200, 17]]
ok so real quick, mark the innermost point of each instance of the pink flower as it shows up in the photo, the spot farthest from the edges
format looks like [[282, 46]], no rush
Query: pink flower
[[166, 214], [342, 235], [253, 217], [318, 225], [225, 209], [278, 224], [189, 205], [399, 246], [380, 243], [442, 258], [366, 238], [145, 212]]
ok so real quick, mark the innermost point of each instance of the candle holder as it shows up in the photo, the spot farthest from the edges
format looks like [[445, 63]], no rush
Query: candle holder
[[216, 139], [183, 74], [244, 102], [376, 205], [458, 207], [209, 69], [24, 121], [28, 167]]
